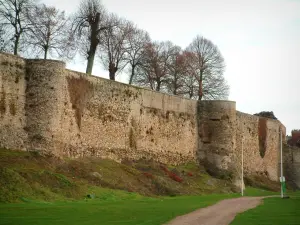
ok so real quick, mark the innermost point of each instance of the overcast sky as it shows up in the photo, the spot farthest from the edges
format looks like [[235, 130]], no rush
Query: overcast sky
[[259, 39]]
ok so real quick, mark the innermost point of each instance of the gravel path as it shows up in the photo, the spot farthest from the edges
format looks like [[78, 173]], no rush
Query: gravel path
[[221, 213]]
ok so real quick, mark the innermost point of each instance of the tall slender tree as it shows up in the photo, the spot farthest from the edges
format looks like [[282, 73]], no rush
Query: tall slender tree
[[137, 40], [114, 44], [177, 72], [89, 22]]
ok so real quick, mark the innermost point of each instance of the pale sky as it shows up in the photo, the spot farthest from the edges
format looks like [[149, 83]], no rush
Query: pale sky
[[259, 39]]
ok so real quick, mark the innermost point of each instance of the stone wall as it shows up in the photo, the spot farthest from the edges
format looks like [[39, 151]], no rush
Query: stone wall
[[259, 138], [291, 165], [217, 135], [45, 107], [12, 102], [296, 166], [98, 117]]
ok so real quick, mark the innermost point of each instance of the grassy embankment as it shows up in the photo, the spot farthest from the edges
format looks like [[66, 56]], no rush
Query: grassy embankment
[[47, 190]]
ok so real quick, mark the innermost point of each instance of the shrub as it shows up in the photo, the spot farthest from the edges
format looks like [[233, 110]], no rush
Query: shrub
[[172, 175], [148, 175], [175, 177]]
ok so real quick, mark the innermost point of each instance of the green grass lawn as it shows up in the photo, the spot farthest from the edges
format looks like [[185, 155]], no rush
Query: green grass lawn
[[110, 207], [106, 210], [273, 211]]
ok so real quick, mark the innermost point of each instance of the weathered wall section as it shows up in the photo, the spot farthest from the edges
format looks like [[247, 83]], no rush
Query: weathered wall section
[[12, 102], [217, 134], [98, 117], [291, 165], [296, 166], [261, 144], [43, 106]]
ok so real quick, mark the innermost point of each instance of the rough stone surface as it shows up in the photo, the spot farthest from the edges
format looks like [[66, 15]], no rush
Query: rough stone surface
[[45, 107], [13, 133], [259, 138], [291, 165]]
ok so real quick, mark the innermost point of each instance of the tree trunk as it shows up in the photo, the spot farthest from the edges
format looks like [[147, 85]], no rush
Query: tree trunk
[[112, 71], [200, 86], [46, 52], [16, 44], [91, 57], [175, 85], [132, 74], [93, 45], [158, 86]]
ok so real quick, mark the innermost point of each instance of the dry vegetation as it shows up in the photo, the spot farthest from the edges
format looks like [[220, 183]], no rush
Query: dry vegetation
[[30, 175]]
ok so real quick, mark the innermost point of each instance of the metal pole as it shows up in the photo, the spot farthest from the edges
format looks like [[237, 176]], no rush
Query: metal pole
[[281, 166], [242, 180]]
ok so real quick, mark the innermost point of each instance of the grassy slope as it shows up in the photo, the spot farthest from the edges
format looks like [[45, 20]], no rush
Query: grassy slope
[[53, 191], [273, 211], [29, 176]]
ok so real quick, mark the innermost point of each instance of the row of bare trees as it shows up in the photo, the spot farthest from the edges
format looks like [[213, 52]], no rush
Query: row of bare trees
[[39, 30], [34, 29]]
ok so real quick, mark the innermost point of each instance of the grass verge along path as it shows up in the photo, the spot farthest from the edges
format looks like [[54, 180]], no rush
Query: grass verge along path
[[273, 211]]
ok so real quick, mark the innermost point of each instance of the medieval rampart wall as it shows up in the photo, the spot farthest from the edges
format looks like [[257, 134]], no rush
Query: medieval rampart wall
[[45, 107]]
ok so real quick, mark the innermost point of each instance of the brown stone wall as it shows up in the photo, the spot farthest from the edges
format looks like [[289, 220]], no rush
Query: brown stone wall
[[291, 165], [261, 145], [12, 102], [217, 135], [296, 166], [43, 106], [98, 117]]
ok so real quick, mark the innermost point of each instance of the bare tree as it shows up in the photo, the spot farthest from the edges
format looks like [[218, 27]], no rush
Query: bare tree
[[13, 19], [6, 40], [207, 65], [89, 22], [137, 40], [114, 44], [48, 32], [190, 85], [215, 86], [177, 72], [154, 69]]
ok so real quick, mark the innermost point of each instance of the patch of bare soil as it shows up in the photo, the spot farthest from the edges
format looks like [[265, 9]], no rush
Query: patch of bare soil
[[221, 213]]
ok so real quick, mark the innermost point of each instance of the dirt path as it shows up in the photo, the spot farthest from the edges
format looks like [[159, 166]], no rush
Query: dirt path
[[221, 213]]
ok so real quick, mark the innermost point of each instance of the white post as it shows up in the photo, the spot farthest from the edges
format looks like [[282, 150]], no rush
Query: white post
[[281, 165], [242, 180]]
